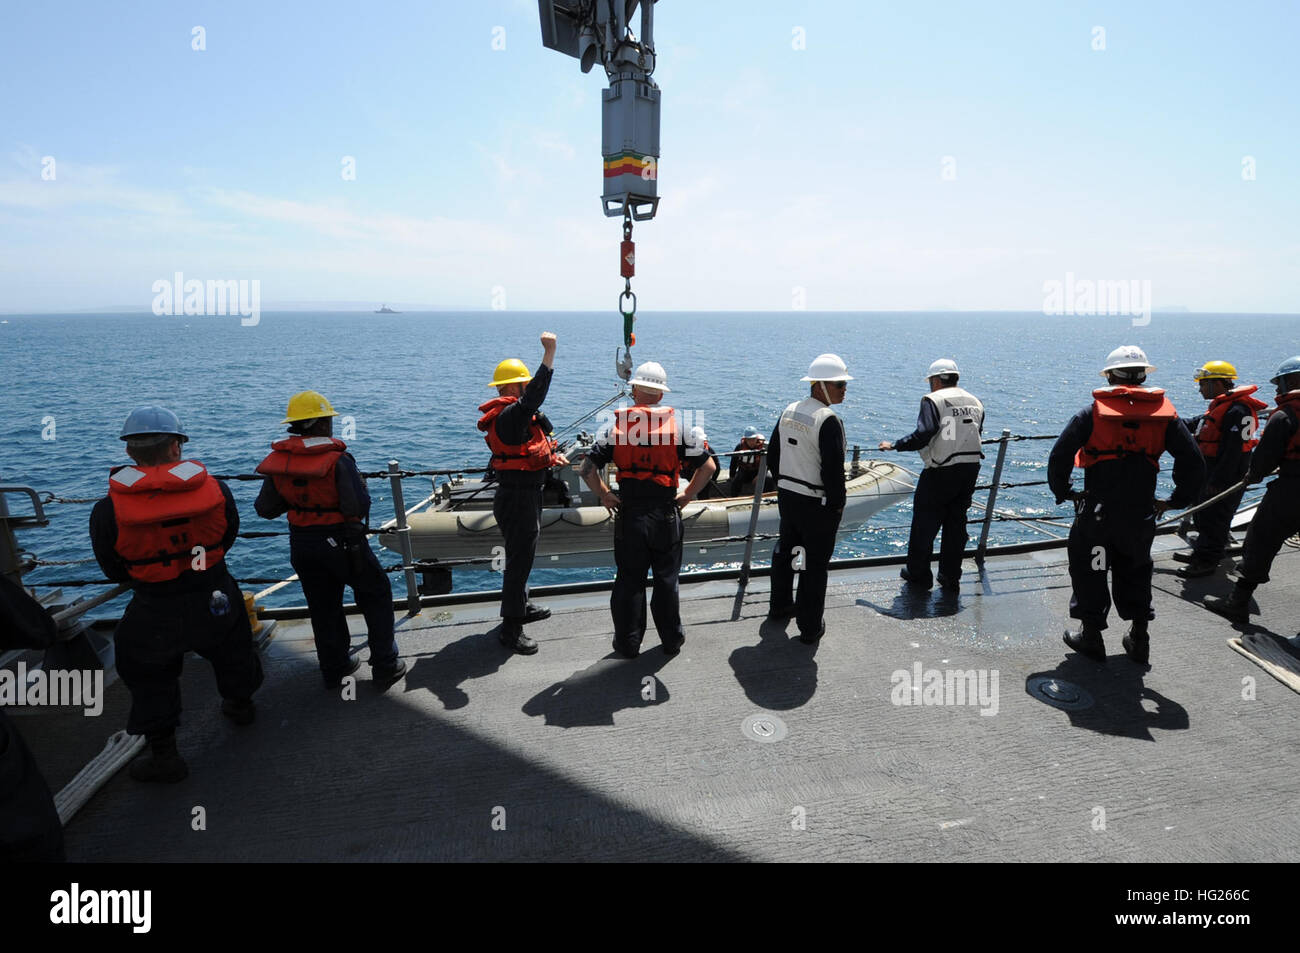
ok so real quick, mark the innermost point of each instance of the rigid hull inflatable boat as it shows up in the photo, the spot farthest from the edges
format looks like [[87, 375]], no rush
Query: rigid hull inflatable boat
[[460, 530]]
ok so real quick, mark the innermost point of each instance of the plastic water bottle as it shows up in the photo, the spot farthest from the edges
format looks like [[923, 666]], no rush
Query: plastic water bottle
[[219, 604]]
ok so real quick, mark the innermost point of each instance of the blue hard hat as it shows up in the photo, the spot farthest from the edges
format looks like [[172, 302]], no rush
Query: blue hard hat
[[752, 432], [1288, 367], [152, 420]]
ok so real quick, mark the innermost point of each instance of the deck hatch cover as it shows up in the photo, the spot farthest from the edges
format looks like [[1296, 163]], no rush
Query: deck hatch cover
[[1059, 693]]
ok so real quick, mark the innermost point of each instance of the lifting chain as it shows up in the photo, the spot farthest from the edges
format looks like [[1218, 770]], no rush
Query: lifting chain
[[626, 300]]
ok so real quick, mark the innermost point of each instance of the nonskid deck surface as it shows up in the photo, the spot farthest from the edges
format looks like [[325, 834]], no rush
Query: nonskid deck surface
[[573, 754]]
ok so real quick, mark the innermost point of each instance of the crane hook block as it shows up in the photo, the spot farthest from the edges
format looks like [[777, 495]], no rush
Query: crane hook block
[[623, 365], [630, 146]]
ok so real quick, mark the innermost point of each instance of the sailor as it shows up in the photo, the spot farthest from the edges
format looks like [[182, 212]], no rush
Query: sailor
[[806, 455], [1118, 440], [1278, 515], [1226, 433], [310, 476], [710, 490], [164, 529], [948, 430], [30, 830], [647, 447], [745, 459], [523, 453]]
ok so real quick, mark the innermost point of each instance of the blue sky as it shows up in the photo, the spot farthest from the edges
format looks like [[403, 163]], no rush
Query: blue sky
[[817, 168]]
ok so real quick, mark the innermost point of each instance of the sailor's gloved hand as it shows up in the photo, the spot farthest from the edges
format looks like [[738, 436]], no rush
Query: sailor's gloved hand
[[1071, 496], [1161, 507], [886, 445]]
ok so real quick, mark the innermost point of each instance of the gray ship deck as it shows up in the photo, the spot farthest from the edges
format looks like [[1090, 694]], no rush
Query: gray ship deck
[[586, 767]]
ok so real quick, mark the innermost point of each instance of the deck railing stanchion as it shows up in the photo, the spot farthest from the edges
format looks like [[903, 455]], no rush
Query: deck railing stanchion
[[993, 498], [749, 537], [404, 538]]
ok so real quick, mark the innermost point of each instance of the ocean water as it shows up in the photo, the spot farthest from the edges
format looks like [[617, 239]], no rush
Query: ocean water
[[413, 382]]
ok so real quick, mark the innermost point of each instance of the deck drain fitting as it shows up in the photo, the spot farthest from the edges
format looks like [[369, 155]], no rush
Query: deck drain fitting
[[1064, 695], [766, 728]]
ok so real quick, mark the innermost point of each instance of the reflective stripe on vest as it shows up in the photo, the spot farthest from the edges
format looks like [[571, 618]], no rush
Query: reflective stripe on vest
[[645, 445], [302, 469], [800, 457], [163, 513], [1209, 430], [958, 439], [537, 454], [1127, 421]]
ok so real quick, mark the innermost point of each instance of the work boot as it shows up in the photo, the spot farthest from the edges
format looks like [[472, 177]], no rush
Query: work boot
[[1137, 644], [1184, 557], [811, 638], [240, 711], [335, 682], [512, 637], [626, 649], [385, 677], [162, 764], [1235, 606], [1198, 567], [535, 613], [948, 585], [904, 575], [1087, 641], [673, 648]]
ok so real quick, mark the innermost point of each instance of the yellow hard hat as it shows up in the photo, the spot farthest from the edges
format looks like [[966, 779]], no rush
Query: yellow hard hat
[[1216, 371], [511, 371], [307, 405]]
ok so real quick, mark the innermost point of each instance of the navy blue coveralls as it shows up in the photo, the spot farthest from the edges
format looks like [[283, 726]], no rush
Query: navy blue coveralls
[[327, 558], [811, 523], [941, 501], [1278, 516], [30, 830], [1222, 471], [164, 620], [647, 536], [517, 503], [1118, 515]]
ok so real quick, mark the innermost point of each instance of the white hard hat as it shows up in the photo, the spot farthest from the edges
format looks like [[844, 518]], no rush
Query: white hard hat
[[650, 375], [827, 367], [943, 368], [1127, 357]]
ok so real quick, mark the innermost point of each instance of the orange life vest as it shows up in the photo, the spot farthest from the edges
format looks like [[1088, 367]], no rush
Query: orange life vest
[[302, 469], [1291, 400], [1209, 432], [742, 460], [645, 443], [1127, 421], [163, 512], [537, 454]]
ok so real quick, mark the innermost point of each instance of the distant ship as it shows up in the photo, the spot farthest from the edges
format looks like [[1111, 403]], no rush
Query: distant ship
[[387, 310]]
